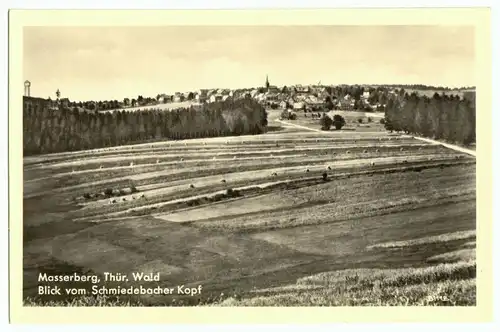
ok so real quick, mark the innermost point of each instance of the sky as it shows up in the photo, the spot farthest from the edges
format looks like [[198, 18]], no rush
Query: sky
[[103, 63]]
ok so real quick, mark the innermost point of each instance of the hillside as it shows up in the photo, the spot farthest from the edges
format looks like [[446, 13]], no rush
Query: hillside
[[255, 220]]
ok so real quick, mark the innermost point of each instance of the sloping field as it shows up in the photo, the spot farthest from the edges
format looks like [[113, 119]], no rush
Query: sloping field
[[262, 219], [167, 106]]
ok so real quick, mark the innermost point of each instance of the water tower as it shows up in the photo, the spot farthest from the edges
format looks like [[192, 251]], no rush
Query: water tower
[[27, 85]]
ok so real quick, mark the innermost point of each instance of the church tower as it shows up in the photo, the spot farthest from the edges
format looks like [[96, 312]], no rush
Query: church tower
[[267, 82]]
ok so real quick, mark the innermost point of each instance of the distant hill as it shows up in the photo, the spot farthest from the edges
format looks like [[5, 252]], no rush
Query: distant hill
[[465, 93], [426, 87]]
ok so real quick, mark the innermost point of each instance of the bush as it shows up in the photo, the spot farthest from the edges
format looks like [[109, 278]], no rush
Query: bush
[[288, 115], [360, 120], [382, 121], [388, 126], [230, 192], [338, 121], [133, 189], [284, 115], [325, 122], [87, 196], [370, 119], [108, 192], [218, 197]]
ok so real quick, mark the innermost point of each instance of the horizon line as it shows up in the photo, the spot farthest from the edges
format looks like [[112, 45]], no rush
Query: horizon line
[[441, 87]]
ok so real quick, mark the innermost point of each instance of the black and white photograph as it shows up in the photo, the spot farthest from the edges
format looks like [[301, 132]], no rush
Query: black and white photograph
[[265, 165]]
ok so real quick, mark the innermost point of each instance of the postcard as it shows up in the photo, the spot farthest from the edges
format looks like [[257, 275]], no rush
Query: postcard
[[250, 165]]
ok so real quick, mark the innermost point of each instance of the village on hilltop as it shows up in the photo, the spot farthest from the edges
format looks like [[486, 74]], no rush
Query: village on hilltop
[[293, 97]]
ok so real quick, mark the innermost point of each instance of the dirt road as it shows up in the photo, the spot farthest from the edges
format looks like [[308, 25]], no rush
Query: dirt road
[[428, 140], [447, 145]]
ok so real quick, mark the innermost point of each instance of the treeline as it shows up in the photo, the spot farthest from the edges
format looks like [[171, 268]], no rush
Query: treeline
[[47, 130], [445, 117], [109, 104]]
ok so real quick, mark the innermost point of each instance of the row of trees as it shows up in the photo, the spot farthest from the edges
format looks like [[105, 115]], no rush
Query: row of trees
[[111, 104], [445, 117], [46, 130], [126, 102]]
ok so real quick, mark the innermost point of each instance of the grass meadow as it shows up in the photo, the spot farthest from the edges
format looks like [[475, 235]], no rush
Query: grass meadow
[[288, 218]]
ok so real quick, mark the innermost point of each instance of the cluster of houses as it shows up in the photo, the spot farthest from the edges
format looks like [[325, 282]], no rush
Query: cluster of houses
[[200, 96], [348, 102], [311, 97], [296, 97]]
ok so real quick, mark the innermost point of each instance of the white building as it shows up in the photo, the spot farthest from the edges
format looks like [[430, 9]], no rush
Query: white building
[[215, 97], [298, 105]]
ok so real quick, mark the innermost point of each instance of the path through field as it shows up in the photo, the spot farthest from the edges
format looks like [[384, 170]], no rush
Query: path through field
[[237, 214], [288, 123], [449, 146]]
